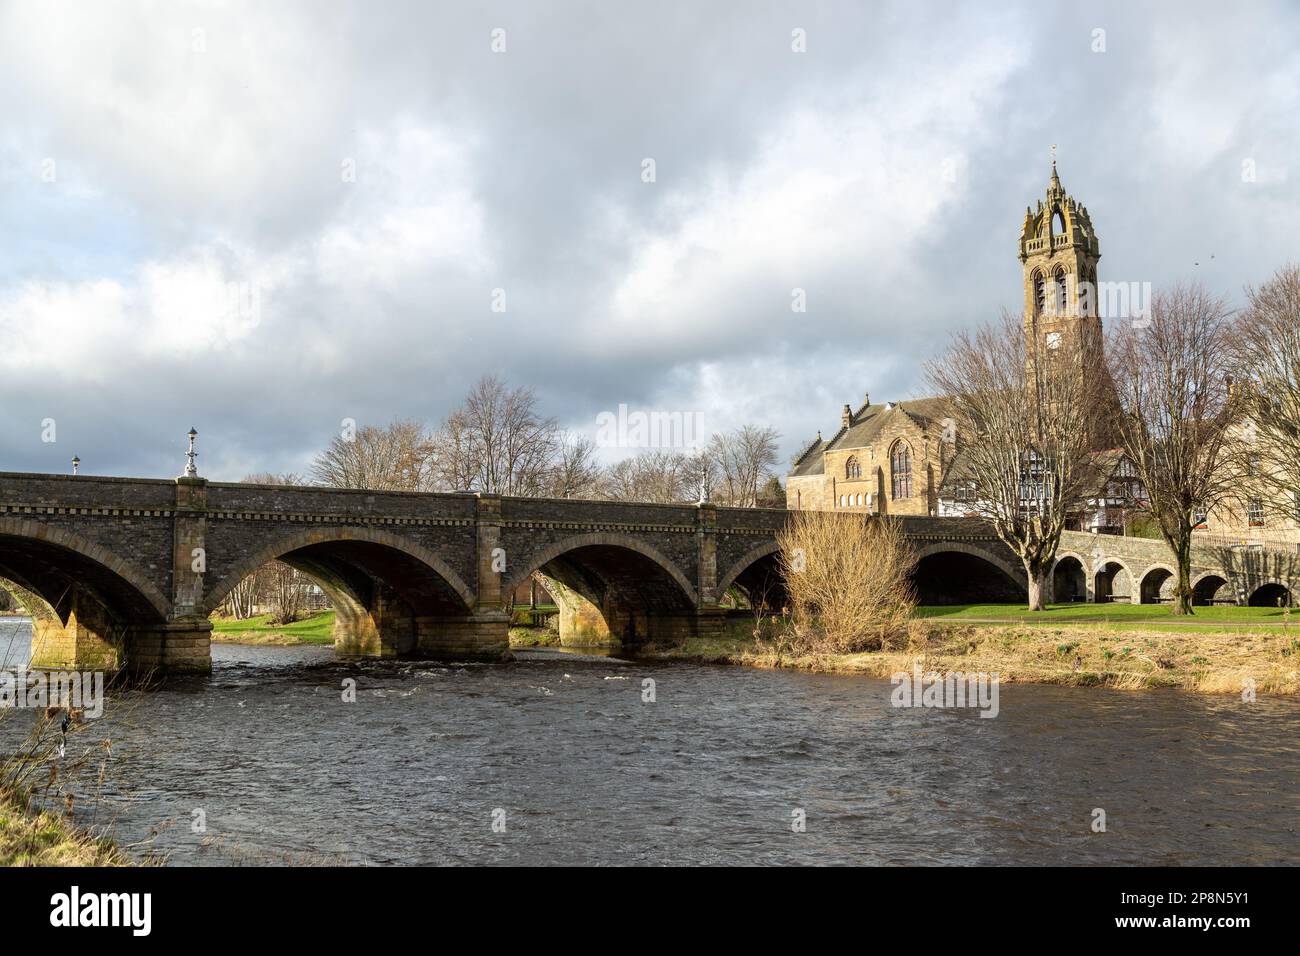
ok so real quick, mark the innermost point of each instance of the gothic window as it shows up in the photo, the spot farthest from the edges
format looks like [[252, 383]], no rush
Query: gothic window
[[1060, 293], [900, 462], [852, 469], [1040, 294]]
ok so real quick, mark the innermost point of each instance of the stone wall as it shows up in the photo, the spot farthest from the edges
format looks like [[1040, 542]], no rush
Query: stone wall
[[124, 572]]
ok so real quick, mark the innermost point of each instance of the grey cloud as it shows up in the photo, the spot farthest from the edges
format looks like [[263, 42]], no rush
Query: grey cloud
[[376, 304]]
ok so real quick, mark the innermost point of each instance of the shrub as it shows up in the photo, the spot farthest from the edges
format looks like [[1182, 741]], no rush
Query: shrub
[[849, 579]]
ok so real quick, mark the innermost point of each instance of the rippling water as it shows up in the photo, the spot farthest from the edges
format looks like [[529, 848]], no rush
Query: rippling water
[[709, 773]]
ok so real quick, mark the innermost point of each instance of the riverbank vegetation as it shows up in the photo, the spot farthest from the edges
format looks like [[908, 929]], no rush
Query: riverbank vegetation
[[38, 778], [41, 838], [1115, 616], [525, 636], [848, 582], [316, 628], [1120, 654]]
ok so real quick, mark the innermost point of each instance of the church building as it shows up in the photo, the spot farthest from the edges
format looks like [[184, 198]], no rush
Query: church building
[[894, 458]]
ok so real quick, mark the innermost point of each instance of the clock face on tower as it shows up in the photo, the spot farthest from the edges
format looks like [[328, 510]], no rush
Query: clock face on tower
[[1053, 340]]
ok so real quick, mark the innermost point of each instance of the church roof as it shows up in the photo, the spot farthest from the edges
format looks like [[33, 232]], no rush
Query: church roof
[[868, 422], [810, 461], [864, 428]]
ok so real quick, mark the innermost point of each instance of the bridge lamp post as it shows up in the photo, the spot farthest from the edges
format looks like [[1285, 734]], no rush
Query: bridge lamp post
[[190, 470]]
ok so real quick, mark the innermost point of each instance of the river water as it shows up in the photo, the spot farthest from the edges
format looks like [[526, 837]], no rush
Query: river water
[[564, 752]]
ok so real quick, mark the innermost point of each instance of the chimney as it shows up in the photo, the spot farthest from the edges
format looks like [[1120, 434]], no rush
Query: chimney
[[846, 417]]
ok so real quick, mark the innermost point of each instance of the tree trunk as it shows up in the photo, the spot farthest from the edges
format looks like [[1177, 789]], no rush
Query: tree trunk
[[1038, 587], [1183, 587]]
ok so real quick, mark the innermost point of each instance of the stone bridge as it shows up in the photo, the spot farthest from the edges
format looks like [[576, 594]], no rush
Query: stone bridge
[[124, 572]]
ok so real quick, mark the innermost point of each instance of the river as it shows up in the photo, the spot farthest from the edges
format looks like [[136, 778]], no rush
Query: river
[[563, 752]]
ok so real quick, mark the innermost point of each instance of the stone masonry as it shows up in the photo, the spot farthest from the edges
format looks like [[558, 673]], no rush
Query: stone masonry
[[123, 573]]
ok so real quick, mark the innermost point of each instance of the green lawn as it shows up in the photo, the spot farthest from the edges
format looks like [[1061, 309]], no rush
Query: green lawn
[[1157, 615], [316, 629]]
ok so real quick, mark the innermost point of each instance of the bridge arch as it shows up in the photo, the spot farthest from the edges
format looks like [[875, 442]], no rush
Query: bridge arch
[[1108, 585], [758, 572], [756, 553], [539, 559], [1207, 587], [611, 588], [1153, 582], [1069, 577], [954, 572], [44, 559], [323, 553], [1271, 594]]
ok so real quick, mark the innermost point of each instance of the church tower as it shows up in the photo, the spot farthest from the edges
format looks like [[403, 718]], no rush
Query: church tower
[[1059, 253]]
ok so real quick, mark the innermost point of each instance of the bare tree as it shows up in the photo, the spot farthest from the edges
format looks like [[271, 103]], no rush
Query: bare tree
[[655, 475], [700, 471], [744, 459], [1267, 366], [392, 458], [575, 472], [1023, 405], [496, 442], [286, 590], [241, 602], [1174, 387]]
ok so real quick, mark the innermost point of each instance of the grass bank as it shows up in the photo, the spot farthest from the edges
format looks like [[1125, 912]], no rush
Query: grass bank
[[534, 637], [1116, 617], [316, 629], [1138, 652], [41, 838]]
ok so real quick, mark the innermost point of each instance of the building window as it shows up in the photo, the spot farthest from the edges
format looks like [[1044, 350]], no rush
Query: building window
[[1060, 293], [852, 469], [1040, 294], [1035, 483], [900, 462], [1255, 512]]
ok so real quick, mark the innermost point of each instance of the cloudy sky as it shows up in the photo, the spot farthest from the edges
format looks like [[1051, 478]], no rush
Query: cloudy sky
[[261, 219]]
